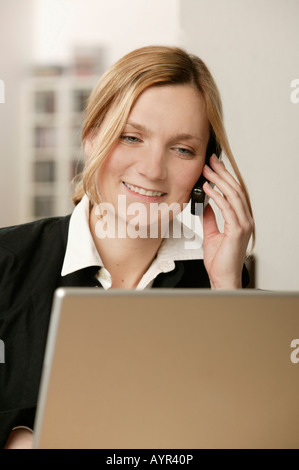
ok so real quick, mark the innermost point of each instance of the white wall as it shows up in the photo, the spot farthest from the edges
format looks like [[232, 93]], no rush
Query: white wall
[[15, 52], [252, 49], [118, 25]]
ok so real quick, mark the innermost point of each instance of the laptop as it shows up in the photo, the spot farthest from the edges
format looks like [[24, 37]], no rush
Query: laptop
[[170, 369]]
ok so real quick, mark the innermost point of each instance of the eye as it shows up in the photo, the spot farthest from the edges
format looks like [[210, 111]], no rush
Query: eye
[[130, 139], [184, 151]]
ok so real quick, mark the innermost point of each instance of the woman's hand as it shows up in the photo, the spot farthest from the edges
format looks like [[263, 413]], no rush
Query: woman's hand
[[20, 438], [224, 253]]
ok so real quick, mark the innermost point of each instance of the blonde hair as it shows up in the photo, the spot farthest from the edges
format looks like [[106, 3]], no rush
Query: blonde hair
[[116, 92]]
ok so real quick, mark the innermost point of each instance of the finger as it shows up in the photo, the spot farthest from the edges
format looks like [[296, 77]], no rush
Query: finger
[[232, 192], [219, 169], [234, 226]]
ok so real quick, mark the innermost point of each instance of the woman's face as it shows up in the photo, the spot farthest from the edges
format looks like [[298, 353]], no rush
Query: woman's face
[[161, 152]]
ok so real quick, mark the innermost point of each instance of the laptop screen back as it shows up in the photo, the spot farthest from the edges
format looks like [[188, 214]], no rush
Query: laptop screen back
[[170, 369]]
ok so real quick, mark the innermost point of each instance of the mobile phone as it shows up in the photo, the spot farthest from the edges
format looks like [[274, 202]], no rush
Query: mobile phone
[[198, 196]]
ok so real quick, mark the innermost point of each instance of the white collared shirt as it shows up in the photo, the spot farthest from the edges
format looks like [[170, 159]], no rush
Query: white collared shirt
[[81, 251]]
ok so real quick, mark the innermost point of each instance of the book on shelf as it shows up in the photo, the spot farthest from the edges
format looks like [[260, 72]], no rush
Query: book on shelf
[[43, 206], [45, 137], [44, 171], [45, 101]]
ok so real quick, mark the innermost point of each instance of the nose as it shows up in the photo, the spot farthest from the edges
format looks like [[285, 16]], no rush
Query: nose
[[153, 164]]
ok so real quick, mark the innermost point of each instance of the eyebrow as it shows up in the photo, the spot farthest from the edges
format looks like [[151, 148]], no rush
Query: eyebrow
[[183, 136]]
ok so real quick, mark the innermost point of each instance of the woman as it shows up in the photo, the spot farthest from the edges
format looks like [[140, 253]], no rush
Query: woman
[[153, 133]]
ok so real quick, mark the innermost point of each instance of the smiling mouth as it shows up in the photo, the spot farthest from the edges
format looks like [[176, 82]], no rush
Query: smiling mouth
[[142, 191]]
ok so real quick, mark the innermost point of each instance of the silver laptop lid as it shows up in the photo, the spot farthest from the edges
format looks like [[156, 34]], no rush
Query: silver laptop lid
[[169, 369]]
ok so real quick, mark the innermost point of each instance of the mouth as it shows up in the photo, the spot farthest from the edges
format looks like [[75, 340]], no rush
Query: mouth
[[143, 191]]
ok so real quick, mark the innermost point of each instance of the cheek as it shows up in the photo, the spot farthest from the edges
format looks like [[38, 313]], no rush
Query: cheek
[[186, 179], [111, 167]]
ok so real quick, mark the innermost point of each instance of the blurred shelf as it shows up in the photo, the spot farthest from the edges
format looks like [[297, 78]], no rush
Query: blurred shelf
[[52, 117]]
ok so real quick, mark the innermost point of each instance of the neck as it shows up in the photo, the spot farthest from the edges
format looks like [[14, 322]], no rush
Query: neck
[[126, 258]]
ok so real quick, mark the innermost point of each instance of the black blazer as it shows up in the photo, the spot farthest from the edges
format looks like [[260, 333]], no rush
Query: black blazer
[[31, 258]]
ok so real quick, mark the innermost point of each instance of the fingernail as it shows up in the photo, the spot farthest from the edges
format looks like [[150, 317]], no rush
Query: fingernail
[[208, 169]]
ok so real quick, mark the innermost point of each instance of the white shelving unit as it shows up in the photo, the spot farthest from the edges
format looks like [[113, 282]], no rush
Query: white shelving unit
[[51, 152]]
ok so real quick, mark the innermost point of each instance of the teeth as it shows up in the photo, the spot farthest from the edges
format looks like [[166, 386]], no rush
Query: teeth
[[142, 191]]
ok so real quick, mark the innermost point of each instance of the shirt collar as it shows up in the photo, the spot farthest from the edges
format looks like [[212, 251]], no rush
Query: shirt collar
[[80, 250], [182, 243], [187, 246]]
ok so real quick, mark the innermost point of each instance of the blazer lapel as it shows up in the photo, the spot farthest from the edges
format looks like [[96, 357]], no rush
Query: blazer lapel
[[82, 278], [170, 279]]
